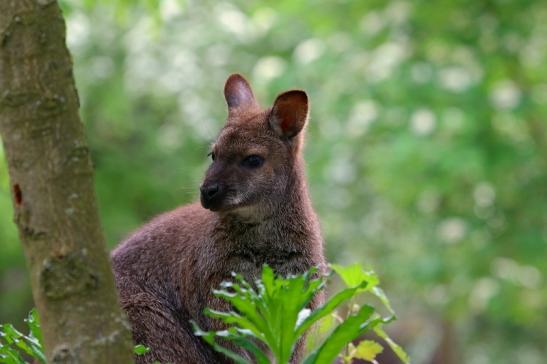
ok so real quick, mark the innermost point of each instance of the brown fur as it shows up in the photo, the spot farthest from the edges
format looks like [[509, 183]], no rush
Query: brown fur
[[166, 270]]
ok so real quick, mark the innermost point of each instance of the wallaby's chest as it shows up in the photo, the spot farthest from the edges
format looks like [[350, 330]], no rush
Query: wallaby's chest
[[272, 244], [255, 257]]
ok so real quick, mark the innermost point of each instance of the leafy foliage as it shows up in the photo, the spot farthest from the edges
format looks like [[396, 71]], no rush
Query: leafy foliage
[[17, 348], [274, 312], [366, 350]]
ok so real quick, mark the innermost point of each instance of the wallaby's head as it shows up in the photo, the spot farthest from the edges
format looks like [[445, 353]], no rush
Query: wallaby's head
[[256, 155]]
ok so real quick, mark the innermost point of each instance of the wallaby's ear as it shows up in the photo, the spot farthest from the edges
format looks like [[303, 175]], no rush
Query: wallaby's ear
[[238, 93], [289, 113]]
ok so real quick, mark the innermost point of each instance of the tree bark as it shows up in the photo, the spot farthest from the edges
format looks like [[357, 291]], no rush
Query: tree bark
[[51, 177]]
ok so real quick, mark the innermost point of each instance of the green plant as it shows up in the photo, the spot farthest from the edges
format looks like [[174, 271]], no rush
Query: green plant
[[16, 348], [274, 312], [14, 345]]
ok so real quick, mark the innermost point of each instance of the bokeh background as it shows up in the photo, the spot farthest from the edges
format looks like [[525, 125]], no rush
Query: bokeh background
[[426, 148]]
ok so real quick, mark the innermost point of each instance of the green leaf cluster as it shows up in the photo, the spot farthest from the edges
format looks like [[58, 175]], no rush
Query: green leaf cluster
[[16, 347], [269, 318]]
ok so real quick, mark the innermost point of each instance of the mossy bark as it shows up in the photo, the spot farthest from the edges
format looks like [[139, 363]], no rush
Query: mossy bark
[[51, 178]]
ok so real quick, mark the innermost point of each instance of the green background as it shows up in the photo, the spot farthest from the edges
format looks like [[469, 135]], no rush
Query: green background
[[426, 148]]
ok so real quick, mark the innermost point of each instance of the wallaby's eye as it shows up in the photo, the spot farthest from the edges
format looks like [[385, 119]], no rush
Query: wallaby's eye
[[212, 155], [252, 161]]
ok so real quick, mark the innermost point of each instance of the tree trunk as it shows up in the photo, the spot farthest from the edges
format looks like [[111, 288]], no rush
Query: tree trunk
[[52, 186]]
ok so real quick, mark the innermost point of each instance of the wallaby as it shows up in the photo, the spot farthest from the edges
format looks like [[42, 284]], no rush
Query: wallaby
[[255, 209]]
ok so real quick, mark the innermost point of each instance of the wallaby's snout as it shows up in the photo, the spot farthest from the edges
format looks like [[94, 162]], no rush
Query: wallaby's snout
[[212, 194]]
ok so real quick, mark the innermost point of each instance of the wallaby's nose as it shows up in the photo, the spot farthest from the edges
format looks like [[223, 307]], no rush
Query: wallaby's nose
[[210, 191], [210, 195]]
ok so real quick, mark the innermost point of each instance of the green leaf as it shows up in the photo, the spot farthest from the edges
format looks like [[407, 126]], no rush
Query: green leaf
[[140, 349], [378, 292], [321, 329], [34, 338], [10, 356], [234, 318], [33, 322], [367, 350], [260, 356], [354, 275], [11, 335], [209, 337], [392, 344], [328, 307], [349, 330]]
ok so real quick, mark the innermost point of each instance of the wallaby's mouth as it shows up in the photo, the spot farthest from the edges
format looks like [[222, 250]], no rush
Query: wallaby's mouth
[[221, 205], [227, 203], [213, 205], [218, 203]]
